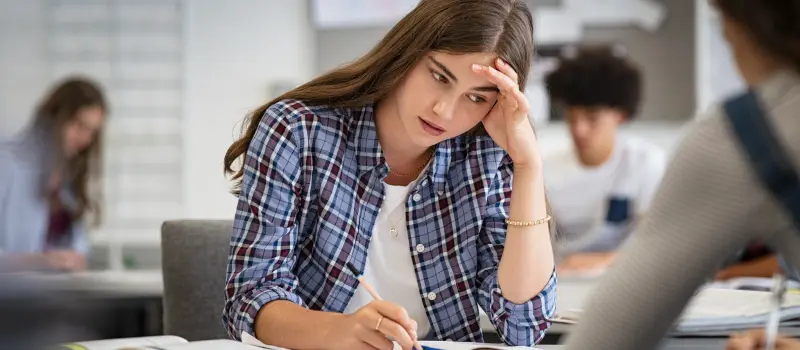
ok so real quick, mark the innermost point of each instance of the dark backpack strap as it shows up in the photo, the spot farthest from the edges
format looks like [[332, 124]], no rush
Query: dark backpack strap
[[767, 157]]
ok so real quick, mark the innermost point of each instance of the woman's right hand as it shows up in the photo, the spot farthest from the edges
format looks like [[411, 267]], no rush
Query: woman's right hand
[[371, 326]]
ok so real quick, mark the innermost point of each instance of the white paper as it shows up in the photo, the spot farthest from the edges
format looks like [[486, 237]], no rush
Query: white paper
[[450, 345], [714, 309], [252, 341], [444, 345], [731, 303], [113, 344]]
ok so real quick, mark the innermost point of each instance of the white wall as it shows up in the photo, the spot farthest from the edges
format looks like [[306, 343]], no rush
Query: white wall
[[235, 50], [23, 73], [716, 75]]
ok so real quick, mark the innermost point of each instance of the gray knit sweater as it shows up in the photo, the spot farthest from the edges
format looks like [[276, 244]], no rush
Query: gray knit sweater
[[709, 205]]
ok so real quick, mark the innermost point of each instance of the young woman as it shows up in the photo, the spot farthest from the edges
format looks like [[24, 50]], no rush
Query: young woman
[[401, 164], [711, 203], [45, 177]]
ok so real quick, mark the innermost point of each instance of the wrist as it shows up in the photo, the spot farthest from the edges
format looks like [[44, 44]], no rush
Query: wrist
[[329, 326], [528, 168], [528, 175]]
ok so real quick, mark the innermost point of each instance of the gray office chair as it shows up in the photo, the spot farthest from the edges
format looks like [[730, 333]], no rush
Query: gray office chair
[[194, 258]]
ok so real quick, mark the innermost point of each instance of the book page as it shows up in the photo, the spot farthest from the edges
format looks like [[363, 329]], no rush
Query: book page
[[432, 345]]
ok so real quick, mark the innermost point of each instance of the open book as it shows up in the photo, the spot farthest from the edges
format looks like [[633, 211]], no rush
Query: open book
[[721, 310]]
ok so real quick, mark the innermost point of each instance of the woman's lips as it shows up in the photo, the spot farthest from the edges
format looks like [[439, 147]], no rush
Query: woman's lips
[[431, 128]]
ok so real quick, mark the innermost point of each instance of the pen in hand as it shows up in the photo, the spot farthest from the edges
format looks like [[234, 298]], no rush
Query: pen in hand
[[776, 301], [375, 295]]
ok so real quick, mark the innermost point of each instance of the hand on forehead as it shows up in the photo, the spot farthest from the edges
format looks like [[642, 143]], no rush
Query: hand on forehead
[[458, 67]]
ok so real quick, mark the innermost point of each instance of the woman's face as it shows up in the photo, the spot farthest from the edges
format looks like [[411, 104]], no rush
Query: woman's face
[[80, 132], [442, 97]]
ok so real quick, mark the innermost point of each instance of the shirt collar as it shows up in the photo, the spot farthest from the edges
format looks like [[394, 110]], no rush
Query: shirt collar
[[370, 157], [364, 139]]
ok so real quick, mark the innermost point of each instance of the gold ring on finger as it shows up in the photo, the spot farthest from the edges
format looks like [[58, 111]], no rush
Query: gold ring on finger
[[378, 325]]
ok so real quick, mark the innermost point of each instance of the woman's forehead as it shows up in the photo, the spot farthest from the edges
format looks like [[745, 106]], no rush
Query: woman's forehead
[[465, 59]]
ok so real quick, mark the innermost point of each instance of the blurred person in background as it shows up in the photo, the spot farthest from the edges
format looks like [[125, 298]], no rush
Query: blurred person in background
[[716, 196], [600, 186], [47, 178]]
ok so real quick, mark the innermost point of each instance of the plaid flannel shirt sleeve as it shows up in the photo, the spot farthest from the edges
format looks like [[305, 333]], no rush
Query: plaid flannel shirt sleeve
[[517, 324], [264, 242]]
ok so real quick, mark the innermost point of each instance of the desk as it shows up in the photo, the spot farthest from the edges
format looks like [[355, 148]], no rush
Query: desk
[[106, 304], [147, 283], [146, 287]]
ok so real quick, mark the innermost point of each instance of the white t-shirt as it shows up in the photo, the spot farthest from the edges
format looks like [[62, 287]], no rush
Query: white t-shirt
[[389, 268], [581, 196]]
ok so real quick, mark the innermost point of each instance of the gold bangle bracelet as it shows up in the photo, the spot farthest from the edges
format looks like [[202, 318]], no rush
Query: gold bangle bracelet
[[528, 223]]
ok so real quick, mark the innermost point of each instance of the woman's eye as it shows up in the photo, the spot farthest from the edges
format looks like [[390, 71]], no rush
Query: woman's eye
[[477, 99], [440, 78]]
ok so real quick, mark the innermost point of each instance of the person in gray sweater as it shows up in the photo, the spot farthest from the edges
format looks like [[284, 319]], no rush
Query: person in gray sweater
[[711, 202]]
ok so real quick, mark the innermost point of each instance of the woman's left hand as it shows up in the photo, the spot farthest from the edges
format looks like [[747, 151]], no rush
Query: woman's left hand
[[507, 123]]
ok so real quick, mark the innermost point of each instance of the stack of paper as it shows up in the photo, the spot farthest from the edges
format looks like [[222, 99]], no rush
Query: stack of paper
[[715, 311], [727, 309]]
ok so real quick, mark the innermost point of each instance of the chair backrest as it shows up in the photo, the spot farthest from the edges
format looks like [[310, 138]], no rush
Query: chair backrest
[[194, 259]]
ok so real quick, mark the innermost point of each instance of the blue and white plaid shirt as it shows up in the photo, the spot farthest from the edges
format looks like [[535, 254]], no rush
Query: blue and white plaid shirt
[[313, 185]]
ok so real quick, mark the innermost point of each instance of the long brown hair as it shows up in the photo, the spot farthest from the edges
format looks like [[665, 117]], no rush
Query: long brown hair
[[502, 27], [58, 108]]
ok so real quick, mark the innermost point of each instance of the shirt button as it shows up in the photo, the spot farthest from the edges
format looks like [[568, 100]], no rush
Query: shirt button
[[420, 248], [431, 296], [440, 193], [416, 197]]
